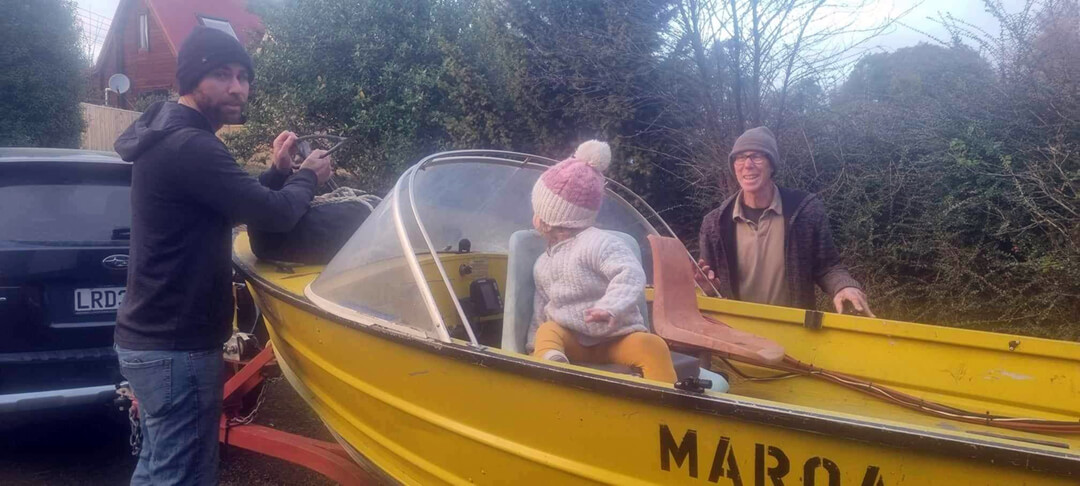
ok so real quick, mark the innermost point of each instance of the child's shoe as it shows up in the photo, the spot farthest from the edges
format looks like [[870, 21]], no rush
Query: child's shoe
[[556, 356]]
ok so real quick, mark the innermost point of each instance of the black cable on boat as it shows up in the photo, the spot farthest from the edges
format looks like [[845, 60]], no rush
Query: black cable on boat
[[794, 367]]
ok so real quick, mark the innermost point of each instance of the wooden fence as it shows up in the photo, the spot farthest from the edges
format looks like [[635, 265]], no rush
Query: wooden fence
[[104, 124]]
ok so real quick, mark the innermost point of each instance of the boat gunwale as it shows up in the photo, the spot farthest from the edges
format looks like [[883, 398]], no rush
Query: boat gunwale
[[986, 451], [912, 331]]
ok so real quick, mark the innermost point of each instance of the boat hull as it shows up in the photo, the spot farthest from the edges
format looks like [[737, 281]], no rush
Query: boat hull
[[426, 412]]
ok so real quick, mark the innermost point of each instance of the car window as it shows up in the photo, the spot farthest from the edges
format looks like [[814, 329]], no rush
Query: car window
[[65, 213]]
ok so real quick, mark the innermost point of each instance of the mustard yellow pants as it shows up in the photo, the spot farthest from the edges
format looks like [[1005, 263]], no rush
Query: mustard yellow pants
[[642, 350]]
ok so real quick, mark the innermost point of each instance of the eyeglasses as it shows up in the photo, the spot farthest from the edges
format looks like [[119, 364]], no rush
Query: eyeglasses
[[742, 159]]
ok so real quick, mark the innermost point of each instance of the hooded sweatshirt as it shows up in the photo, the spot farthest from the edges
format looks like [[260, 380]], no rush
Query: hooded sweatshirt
[[187, 192]]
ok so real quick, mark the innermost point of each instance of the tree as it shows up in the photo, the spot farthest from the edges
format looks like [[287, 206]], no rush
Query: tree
[[42, 79], [401, 80], [365, 70], [950, 171], [147, 98], [741, 62], [1022, 172], [952, 186], [881, 160], [477, 111], [596, 69]]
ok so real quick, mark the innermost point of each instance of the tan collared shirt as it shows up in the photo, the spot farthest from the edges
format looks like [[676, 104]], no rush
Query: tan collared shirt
[[760, 253]]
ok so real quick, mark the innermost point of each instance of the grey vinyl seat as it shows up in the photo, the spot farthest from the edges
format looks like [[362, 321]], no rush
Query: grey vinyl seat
[[525, 247]]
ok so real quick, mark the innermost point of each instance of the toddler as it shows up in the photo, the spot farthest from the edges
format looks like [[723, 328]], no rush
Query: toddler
[[588, 281]]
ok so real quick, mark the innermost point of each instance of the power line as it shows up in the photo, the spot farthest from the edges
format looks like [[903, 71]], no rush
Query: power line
[[94, 17], [92, 13], [94, 24], [94, 31], [94, 28]]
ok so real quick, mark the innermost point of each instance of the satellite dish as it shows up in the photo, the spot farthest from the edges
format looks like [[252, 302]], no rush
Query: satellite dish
[[119, 83]]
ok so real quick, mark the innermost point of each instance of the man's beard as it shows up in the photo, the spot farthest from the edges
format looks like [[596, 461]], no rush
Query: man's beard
[[226, 117], [216, 113]]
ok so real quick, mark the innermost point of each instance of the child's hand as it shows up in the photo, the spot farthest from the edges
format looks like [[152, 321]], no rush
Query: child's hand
[[599, 316]]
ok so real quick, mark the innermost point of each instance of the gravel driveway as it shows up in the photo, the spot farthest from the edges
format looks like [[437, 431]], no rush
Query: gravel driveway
[[93, 449]]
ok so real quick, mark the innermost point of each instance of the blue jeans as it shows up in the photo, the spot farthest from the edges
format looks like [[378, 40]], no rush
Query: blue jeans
[[179, 394]]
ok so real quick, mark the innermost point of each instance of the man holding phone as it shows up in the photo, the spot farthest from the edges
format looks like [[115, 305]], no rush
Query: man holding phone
[[187, 193]]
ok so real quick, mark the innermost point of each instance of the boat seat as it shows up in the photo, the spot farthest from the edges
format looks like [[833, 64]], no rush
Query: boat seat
[[525, 247], [676, 316]]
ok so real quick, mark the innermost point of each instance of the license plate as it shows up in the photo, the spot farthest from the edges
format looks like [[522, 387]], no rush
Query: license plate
[[105, 299]]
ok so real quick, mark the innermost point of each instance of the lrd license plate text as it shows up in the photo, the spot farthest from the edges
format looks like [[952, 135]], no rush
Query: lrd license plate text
[[98, 300]]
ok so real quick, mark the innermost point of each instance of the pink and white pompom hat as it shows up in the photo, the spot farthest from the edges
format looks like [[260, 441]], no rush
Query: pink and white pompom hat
[[568, 195]]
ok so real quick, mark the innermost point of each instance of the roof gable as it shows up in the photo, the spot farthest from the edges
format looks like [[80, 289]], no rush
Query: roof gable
[[178, 19]]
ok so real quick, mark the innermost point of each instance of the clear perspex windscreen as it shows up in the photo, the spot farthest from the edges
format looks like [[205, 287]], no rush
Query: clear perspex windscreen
[[475, 199]]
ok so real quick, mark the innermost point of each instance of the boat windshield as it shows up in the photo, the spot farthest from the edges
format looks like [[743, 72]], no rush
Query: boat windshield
[[392, 271]]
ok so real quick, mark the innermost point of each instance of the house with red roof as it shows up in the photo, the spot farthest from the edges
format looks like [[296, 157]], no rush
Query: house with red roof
[[145, 36]]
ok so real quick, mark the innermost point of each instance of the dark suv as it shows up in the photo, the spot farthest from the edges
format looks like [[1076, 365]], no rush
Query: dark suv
[[65, 219]]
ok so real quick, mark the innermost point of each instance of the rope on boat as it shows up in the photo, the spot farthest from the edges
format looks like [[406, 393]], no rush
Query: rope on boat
[[347, 194], [782, 376], [793, 367], [338, 194]]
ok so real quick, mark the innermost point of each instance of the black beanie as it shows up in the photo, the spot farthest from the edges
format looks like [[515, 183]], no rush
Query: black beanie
[[205, 50], [760, 139]]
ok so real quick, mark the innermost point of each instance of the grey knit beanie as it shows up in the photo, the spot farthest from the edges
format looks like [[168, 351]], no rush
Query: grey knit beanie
[[760, 139]]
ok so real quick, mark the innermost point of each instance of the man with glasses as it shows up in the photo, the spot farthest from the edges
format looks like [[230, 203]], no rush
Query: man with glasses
[[768, 244]]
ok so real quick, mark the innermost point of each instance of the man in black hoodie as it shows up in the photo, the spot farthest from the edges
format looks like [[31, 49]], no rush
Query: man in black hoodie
[[187, 193]]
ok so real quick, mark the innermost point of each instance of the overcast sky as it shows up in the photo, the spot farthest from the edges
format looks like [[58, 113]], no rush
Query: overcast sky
[[923, 17], [95, 14]]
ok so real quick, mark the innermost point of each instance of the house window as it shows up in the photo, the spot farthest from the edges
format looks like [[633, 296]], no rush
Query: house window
[[144, 32], [219, 24]]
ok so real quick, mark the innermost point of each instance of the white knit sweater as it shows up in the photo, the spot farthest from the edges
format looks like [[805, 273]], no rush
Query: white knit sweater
[[594, 269]]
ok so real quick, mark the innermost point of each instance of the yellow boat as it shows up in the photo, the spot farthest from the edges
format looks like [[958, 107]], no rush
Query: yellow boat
[[397, 346]]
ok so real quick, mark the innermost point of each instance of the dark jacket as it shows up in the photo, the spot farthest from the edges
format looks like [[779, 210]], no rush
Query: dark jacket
[[187, 192], [810, 256]]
